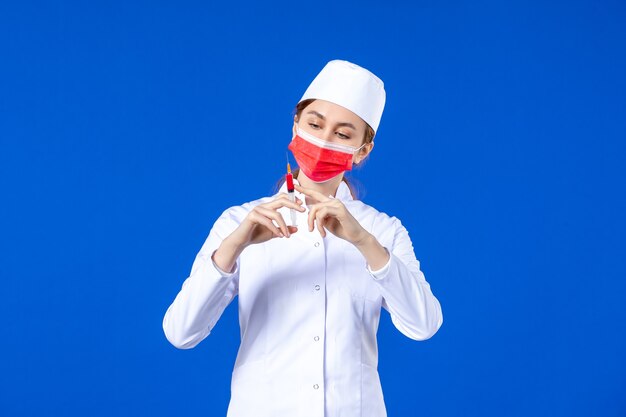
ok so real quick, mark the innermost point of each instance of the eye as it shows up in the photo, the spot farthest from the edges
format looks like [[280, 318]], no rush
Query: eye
[[342, 135], [314, 125]]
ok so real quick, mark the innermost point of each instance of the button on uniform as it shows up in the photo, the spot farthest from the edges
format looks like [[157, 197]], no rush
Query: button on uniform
[[313, 348]]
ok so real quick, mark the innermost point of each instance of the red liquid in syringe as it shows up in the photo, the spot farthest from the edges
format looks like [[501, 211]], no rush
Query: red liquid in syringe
[[289, 179]]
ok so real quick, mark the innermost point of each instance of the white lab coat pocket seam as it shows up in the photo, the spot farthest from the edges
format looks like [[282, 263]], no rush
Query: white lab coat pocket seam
[[372, 390]]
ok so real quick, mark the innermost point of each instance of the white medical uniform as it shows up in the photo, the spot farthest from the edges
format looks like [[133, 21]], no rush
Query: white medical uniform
[[309, 309]]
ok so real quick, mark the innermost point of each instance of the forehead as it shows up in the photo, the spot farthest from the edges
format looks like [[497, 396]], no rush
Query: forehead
[[334, 113]]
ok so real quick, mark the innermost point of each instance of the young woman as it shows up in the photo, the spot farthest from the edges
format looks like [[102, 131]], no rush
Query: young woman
[[310, 294]]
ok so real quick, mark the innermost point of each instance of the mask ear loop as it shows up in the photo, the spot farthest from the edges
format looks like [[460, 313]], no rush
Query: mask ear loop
[[357, 150]]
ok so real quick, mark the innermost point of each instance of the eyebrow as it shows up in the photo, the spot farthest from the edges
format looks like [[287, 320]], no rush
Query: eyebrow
[[321, 116]]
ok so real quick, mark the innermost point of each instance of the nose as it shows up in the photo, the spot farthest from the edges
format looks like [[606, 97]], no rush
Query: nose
[[327, 135]]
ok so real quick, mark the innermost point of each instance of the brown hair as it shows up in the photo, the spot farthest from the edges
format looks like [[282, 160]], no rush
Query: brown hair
[[368, 138]]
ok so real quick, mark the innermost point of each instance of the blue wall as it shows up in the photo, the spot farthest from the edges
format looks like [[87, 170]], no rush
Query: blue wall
[[127, 127]]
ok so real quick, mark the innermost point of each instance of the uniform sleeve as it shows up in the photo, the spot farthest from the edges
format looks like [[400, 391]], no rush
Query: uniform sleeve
[[406, 295], [205, 293]]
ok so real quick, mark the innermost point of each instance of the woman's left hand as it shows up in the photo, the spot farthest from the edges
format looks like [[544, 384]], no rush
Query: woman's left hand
[[331, 214]]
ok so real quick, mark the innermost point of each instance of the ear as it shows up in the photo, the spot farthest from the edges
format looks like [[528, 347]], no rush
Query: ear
[[295, 125], [363, 153]]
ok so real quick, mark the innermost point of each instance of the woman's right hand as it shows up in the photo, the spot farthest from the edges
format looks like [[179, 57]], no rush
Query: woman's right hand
[[257, 227]]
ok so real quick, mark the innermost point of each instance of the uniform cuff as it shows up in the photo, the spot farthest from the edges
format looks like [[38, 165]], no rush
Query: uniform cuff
[[382, 272], [223, 273]]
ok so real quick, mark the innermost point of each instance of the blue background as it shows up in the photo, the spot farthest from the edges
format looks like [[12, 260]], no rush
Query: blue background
[[127, 127]]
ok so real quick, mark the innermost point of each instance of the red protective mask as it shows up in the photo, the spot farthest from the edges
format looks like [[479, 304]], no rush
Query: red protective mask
[[321, 160]]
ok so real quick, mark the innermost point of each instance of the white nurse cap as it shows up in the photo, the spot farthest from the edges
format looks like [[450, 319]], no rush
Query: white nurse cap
[[352, 87]]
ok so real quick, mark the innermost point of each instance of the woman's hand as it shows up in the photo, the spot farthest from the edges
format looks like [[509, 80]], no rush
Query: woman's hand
[[330, 214], [257, 227]]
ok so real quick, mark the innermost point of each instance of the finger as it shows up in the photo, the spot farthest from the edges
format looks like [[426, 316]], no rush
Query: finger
[[297, 200], [312, 210], [277, 217], [280, 198], [319, 220], [287, 197], [284, 201], [312, 193], [321, 216], [261, 220], [329, 207], [317, 217], [260, 217], [334, 206]]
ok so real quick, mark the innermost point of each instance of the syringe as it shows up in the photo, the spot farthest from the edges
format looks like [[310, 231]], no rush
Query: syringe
[[291, 194]]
